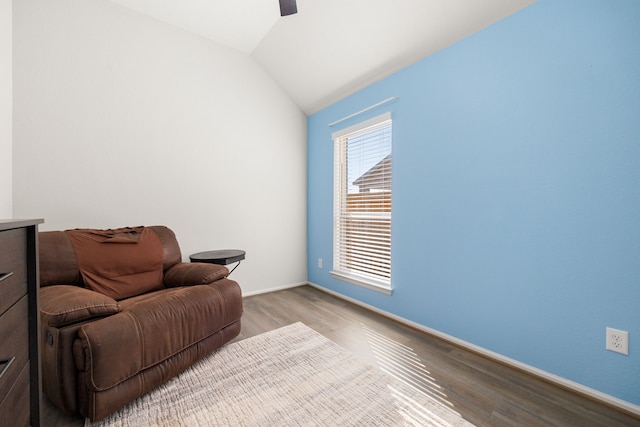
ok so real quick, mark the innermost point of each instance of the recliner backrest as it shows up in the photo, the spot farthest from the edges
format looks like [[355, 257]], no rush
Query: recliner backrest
[[59, 265]]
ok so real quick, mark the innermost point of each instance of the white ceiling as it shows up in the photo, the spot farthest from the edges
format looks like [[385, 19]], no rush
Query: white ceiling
[[330, 48]]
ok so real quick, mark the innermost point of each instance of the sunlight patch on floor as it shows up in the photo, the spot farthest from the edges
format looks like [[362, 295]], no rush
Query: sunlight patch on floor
[[402, 363]]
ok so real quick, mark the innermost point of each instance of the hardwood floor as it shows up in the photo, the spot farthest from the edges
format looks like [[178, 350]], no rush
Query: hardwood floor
[[484, 392]]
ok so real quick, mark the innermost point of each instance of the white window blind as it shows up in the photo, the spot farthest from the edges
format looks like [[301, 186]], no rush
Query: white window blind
[[362, 203]]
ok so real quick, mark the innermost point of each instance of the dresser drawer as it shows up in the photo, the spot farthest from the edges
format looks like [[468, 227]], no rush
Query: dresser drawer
[[14, 407], [13, 267], [14, 351]]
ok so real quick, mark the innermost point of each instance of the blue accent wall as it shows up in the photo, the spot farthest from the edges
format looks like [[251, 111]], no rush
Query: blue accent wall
[[516, 192]]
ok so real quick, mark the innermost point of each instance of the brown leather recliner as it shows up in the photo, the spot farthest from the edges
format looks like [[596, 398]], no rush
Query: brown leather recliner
[[100, 352]]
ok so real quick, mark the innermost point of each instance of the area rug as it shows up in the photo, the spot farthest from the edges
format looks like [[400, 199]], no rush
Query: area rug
[[292, 376]]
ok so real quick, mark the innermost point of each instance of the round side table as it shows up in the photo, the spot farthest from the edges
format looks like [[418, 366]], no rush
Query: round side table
[[220, 257]]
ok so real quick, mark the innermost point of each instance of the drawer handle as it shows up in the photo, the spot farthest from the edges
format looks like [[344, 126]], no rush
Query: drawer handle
[[5, 276], [6, 363]]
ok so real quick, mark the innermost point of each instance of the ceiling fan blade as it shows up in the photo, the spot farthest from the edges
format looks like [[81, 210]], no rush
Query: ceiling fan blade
[[288, 7]]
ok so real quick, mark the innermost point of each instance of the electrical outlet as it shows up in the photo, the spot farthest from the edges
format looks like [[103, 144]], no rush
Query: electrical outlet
[[618, 341], [319, 262]]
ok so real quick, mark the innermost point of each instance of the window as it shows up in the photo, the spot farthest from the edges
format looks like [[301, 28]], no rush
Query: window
[[362, 204]]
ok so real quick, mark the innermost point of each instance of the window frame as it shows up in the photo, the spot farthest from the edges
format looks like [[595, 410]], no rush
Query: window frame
[[340, 192]]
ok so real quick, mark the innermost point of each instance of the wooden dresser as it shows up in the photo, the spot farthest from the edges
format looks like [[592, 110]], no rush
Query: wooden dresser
[[20, 390]]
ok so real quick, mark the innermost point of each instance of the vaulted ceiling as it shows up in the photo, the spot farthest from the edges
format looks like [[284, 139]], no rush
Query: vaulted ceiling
[[330, 48]]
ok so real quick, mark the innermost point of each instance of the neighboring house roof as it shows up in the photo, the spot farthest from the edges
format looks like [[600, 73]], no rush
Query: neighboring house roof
[[376, 178]]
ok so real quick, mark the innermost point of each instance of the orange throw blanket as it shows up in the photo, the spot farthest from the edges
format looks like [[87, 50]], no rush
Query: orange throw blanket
[[119, 263]]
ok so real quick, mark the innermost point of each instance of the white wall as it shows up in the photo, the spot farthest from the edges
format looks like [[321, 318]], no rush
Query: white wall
[[122, 120], [5, 108]]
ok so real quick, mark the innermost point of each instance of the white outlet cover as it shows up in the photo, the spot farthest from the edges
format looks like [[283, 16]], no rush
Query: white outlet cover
[[618, 341]]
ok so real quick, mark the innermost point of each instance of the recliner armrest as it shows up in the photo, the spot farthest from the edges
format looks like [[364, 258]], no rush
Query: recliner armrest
[[195, 273], [62, 305]]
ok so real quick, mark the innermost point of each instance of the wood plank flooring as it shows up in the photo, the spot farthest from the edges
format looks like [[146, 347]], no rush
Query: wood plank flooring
[[484, 392]]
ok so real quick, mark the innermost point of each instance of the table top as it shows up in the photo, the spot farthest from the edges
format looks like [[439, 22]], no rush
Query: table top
[[222, 256], [8, 224]]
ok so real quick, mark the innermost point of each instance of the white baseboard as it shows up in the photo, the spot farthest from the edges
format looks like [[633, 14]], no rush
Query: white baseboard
[[278, 288], [555, 379]]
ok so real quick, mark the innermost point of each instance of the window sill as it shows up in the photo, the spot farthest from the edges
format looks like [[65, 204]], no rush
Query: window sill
[[364, 282]]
